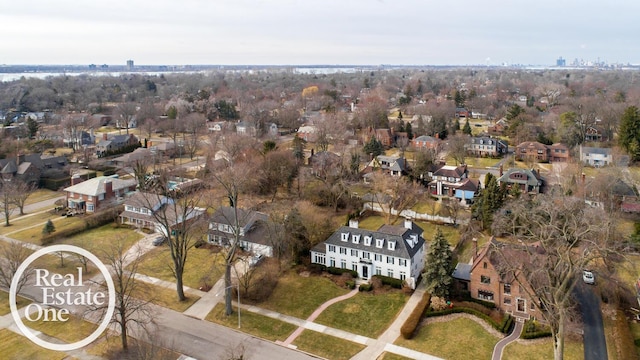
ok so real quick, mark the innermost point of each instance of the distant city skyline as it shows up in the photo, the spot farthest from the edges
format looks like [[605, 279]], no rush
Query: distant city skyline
[[331, 32]]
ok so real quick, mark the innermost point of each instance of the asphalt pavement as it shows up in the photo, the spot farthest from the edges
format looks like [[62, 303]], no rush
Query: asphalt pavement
[[595, 345]]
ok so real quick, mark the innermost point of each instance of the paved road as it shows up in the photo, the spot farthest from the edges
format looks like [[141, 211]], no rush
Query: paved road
[[595, 345]]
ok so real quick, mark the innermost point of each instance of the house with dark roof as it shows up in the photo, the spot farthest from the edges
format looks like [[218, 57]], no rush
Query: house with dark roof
[[93, 194], [394, 251], [596, 157], [486, 146], [252, 227], [111, 143], [452, 182], [393, 165], [487, 278], [140, 210], [528, 180], [32, 167]]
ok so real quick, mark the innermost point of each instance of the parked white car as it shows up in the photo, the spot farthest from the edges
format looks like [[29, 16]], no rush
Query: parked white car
[[588, 277]]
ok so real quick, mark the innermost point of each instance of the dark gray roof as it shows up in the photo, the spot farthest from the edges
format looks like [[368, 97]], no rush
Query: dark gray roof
[[595, 150], [462, 272], [227, 215], [401, 236]]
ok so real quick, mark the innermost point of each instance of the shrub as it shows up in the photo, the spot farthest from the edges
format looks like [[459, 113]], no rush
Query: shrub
[[350, 284], [316, 269], [438, 303], [366, 287], [90, 222], [393, 282], [339, 271], [410, 325], [502, 326]]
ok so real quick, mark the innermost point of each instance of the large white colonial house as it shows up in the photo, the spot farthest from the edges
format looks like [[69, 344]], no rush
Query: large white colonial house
[[394, 251], [253, 229]]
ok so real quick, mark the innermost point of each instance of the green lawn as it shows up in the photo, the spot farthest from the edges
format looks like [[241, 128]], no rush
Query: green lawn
[[481, 162], [573, 350], [255, 324], [327, 346], [450, 233], [203, 266], [33, 226], [99, 240], [364, 314], [635, 331], [70, 331], [19, 223], [427, 207], [16, 347], [4, 302], [164, 297], [292, 295], [43, 194], [371, 222], [391, 356], [452, 340]]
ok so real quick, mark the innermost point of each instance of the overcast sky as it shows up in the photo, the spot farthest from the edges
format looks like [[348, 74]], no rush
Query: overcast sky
[[361, 32]]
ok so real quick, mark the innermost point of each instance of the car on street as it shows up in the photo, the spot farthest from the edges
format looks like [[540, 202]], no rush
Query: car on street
[[588, 277]]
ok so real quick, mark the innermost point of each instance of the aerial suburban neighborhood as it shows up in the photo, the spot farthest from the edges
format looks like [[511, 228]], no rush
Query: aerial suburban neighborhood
[[383, 213]]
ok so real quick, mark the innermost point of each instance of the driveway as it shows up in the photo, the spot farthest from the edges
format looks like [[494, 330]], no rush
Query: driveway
[[595, 346]]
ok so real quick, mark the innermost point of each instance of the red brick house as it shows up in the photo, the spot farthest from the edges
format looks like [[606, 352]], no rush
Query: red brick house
[[533, 150], [487, 278], [90, 195]]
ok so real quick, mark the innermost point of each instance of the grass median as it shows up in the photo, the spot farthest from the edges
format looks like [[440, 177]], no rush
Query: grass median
[[255, 324], [327, 346]]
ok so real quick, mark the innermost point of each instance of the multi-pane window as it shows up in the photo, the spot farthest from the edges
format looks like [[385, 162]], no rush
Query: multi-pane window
[[507, 301], [332, 262], [390, 260], [378, 257], [343, 263], [332, 248], [378, 270], [485, 295], [402, 262], [403, 275], [366, 255], [343, 250], [507, 289], [485, 279], [390, 273], [354, 252]]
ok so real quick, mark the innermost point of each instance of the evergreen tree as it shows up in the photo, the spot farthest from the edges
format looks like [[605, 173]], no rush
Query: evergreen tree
[[439, 266], [467, 128], [408, 130], [630, 132], [32, 128], [373, 147], [48, 228], [298, 144]]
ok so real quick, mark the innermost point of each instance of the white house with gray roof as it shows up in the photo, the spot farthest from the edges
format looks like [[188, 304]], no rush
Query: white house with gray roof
[[393, 251], [596, 157]]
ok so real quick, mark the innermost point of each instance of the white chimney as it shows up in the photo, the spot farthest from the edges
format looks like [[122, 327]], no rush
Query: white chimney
[[408, 224], [353, 223]]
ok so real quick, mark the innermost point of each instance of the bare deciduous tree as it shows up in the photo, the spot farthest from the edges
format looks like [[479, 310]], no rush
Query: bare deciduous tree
[[12, 255], [560, 237], [394, 194]]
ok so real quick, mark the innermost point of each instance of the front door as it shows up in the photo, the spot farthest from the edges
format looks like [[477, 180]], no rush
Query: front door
[[365, 271]]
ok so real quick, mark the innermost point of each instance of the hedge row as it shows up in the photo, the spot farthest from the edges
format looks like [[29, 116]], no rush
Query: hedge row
[[535, 334], [504, 326], [339, 271], [393, 282], [365, 287], [90, 222], [410, 325]]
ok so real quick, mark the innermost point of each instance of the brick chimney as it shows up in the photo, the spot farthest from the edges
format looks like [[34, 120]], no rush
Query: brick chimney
[[501, 170], [104, 136], [76, 179], [20, 159], [108, 188]]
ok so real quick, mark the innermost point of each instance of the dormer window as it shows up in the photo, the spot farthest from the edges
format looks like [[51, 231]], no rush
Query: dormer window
[[355, 239], [379, 243], [391, 245], [344, 236], [367, 240]]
